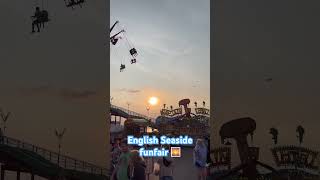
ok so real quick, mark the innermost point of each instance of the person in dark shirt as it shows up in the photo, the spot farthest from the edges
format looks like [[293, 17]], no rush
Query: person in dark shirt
[[209, 160], [137, 166], [37, 19]]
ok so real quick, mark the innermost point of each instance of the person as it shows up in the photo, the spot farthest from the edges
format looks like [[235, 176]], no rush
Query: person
[[209, 160], [164, 167], [116, 152], [137, 166], [1, 136], [200, 159], [122, 67], [120, 171], [37, 19]]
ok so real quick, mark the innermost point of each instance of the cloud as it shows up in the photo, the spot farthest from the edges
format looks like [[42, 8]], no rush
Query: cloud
[[77, 94], [129, 90], [40, 90], [58, 92]]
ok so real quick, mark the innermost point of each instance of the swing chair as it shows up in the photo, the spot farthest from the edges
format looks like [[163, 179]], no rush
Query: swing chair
[[40, 17], [72, 3]]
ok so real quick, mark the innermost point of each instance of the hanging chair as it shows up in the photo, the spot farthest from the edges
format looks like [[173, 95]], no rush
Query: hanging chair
[[122, 67], [133, 52], [44, 16], [133, 61], [114, 40]]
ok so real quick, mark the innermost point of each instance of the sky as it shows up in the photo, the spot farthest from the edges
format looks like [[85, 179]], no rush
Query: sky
[[255, 40], [172, 38], [56, 79]]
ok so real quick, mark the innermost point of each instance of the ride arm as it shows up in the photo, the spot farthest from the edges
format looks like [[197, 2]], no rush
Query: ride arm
[[116, 34], [114, 25]]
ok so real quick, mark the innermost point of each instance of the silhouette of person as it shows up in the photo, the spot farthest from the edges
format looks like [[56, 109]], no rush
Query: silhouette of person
[[1, 136], [37, 20], [209, 160], [200, 159]]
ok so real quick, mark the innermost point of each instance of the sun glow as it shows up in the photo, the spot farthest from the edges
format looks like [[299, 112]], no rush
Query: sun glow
[[153, 101]]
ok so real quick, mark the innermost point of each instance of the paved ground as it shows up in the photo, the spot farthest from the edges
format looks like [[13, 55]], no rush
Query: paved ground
[[184, 168]]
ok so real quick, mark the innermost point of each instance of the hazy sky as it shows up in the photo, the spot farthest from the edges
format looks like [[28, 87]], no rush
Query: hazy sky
[[57, 78], [254, 40], [172, 38]]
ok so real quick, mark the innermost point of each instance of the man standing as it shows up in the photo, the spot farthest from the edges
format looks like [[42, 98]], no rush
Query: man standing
[[121, 170]]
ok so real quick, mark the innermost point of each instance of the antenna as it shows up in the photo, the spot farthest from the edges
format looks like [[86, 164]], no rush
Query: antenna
[[128, 106], [148, 108]]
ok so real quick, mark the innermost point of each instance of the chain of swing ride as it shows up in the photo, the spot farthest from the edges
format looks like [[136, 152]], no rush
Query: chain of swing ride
[[114, 39]]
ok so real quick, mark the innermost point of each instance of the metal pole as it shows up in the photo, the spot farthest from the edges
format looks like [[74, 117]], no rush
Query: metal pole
[[128, 107], [148, 108]]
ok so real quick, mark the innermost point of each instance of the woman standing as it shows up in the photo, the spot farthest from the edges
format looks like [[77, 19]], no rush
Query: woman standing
[[200, 158]]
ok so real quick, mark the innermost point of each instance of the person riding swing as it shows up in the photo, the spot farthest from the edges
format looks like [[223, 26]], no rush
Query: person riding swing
[[122, 67], [37, 19], [40, 17]]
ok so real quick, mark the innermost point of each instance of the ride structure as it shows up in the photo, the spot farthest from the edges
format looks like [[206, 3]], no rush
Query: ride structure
[[114, 40], [296, 161], [292, 162], [183, 120], [39, 19]]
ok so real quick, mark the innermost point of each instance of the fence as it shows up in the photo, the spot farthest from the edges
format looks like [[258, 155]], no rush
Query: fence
[[56, 158], [130, 113]]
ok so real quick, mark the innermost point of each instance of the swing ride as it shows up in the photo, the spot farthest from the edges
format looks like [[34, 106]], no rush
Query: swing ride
[[41, 16], [121, 34]]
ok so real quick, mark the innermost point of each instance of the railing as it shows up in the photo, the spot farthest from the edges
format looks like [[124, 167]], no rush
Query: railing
[[130, 113], [56, 158]]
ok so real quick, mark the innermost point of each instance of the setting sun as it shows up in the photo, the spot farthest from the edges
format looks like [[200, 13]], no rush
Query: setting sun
[[153, 101]]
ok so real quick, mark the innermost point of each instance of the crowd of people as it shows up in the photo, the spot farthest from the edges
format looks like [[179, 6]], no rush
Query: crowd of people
[[127, 164]]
